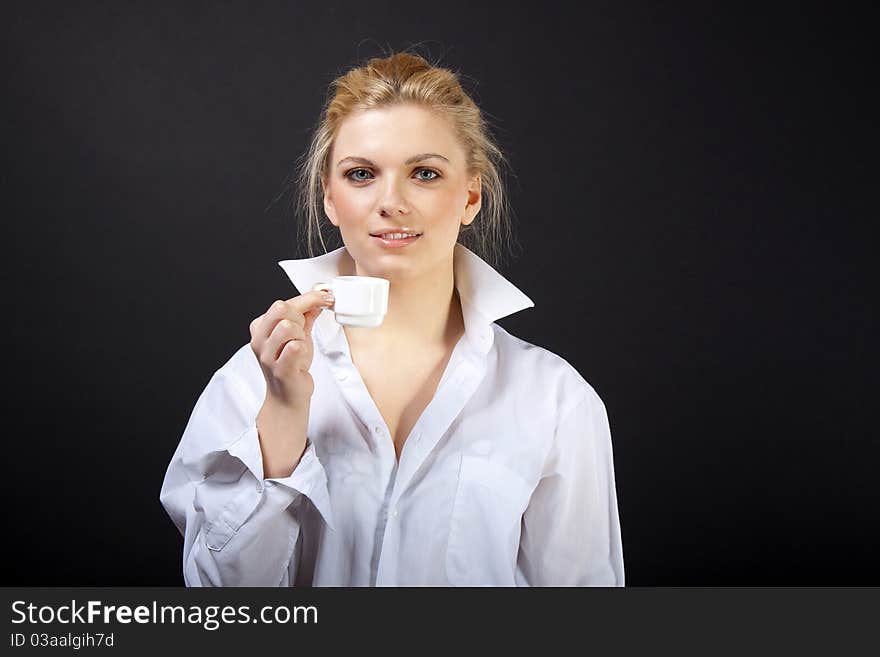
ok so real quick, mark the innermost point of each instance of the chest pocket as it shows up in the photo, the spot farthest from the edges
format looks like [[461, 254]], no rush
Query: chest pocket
[[485, 525]]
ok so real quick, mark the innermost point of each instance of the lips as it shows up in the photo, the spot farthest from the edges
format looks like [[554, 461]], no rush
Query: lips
[[396, 243]]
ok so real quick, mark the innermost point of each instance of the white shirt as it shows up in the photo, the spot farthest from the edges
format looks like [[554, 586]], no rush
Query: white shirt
[[507, 478]]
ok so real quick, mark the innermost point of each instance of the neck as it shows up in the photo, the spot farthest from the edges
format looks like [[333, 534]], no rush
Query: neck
[[423, 311]]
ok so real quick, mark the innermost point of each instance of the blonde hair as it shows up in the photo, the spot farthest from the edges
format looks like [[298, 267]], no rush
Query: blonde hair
[[399, 78]]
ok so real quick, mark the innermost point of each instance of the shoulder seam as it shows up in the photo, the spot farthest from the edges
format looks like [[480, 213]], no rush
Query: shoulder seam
[[583, 397]]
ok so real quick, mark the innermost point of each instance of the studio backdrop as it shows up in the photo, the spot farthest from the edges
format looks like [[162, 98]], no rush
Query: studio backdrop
[[692, 201]]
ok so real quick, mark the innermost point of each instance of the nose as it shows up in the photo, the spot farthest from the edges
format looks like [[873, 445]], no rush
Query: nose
[[392, 202]]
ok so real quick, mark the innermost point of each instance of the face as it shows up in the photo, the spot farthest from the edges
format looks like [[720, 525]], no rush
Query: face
[[375, 185]]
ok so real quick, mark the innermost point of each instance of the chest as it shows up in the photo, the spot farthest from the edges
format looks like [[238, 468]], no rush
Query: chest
[[401, 387]]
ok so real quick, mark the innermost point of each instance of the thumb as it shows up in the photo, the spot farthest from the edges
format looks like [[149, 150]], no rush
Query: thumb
[[311, 315]]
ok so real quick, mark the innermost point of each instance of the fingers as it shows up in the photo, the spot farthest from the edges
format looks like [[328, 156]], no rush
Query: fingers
[[315, 299], [285, 331], [294, 309], [295, 358]]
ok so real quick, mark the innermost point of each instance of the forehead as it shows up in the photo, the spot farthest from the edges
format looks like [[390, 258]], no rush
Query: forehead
[[395, 133]]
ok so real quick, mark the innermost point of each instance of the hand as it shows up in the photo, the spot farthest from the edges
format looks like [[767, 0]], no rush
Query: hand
[[282, 341]]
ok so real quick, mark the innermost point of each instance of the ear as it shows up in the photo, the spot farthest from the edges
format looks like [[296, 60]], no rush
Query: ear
[[474, 200], [329, 208]]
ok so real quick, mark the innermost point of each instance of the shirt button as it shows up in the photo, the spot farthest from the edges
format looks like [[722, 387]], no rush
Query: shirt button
[[393, 514], [378, 429], [342, 376]]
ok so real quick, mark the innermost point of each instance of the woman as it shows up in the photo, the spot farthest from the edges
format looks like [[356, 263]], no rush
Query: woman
[[435, 449]]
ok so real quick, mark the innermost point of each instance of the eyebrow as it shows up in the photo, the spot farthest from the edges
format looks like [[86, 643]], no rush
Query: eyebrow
[[414, 158]]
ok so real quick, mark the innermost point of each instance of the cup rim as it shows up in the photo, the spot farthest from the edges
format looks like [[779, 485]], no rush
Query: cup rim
[[362, 279]]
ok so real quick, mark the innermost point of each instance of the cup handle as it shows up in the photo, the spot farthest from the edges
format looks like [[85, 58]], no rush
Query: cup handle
[[327, 287]]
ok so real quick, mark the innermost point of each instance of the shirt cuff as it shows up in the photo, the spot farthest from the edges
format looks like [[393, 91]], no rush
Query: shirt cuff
[[308, 477]]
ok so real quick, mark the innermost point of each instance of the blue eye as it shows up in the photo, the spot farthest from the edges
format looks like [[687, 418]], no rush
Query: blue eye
[[436, 175], [348, 175], [354, 178]]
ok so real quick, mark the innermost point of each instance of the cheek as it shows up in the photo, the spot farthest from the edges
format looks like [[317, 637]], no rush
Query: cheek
[[449, 213], [440, 205], [442, 209], [349, 204]]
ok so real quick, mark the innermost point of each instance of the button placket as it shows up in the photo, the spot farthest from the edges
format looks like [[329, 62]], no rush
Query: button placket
[[385, 444]]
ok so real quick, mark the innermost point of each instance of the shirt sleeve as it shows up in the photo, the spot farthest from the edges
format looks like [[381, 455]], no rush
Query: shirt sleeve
[[571, 530], [239, 529]]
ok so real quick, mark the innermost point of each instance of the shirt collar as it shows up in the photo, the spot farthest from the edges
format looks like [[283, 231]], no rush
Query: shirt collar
[[485, 294]]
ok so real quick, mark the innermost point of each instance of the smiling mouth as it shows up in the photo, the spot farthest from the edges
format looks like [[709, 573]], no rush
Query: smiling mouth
[[395, 236], [395, 241]]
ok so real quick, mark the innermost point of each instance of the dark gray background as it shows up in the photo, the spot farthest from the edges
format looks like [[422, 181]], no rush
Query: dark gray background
[[695, 195]]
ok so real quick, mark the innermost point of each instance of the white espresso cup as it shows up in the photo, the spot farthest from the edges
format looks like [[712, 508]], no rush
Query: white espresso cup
[[360, 300]]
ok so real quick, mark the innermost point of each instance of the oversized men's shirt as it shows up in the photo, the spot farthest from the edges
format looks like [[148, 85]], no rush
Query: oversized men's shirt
[[506, 479]]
